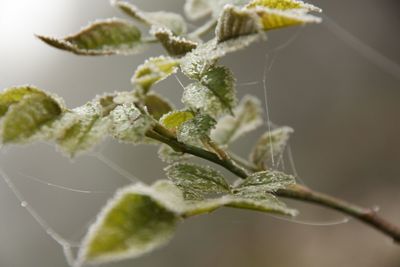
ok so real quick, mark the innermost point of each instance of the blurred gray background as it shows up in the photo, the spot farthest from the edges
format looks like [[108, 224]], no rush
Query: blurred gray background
[[345, 110]]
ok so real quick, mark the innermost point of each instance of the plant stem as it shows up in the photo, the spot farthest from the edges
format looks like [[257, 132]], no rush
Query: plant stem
[[297, 192]]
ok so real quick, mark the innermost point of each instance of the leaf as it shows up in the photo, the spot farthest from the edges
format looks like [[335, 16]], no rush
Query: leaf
[[157, 106], [247, 117], [103, 37], [137, 220], [198, 97], [195, 130], [174, 119], [129, 125], [220, 81], [172, 21], [196, 181], [82, 128], [27, 111], [218, 5], [195, 63], [235, 22], [196, 9], [154, 70], [283, 5], [265, 181], [168, 155], [275, 18], [270, 144], [175, 45]]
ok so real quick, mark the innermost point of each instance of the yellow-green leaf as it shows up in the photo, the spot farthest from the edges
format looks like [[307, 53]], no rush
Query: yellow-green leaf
[[157, 106], [153, 71], [103, 37], [265, 181], [283, 5], [174, 119], [27, 111]]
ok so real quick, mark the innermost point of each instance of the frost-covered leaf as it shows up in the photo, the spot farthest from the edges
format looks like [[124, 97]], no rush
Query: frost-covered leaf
[[103, 37], [26, 111], [195, 130], [218, 5], [198, 97], [172, 21], [195, 181], [168, 155], [275, 18], [197, 9], [266, 203], [201, 59], [175, 45], [175, 119], [235, 22], [270, 144], [137, 220], [283, 5], [82, 128], [265, 181], [247, 117], [157, 106], [128, 124], [221, 82], [154, 70]]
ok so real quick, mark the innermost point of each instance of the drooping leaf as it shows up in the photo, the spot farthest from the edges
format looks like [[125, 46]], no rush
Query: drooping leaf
[[195, 130], [81, 128], [103, 37], [195, 181], [153, 71], [197, 9], [168, 155], [235, 22], [137, 220], [172, 21], [129, 125], [157, 106], [247, 117], [221, 82], [175, 45], [283, 5], [26, 111], [270, 144], [175, 119], [265, 181]]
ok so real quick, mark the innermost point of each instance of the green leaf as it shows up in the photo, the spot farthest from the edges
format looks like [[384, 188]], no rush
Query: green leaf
[[205, 56], [220, 81], [103, 37], [175, 119], [265, 181], [175, 45], [82, 128], [154, 70], [271, 144], [27, 111], [137, 220], [129, 125], [247, 117], [235, 22], [172, 21], [196, 130], [283, 5], [198, 97], [195, 181], [157, 106], [168, 155], [197, 9]]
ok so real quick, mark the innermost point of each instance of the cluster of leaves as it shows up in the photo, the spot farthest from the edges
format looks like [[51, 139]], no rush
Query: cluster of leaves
[[140, 217]]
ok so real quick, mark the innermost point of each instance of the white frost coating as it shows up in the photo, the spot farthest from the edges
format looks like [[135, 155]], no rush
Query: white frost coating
[[247, 117], [294, 14], [165, 199]]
